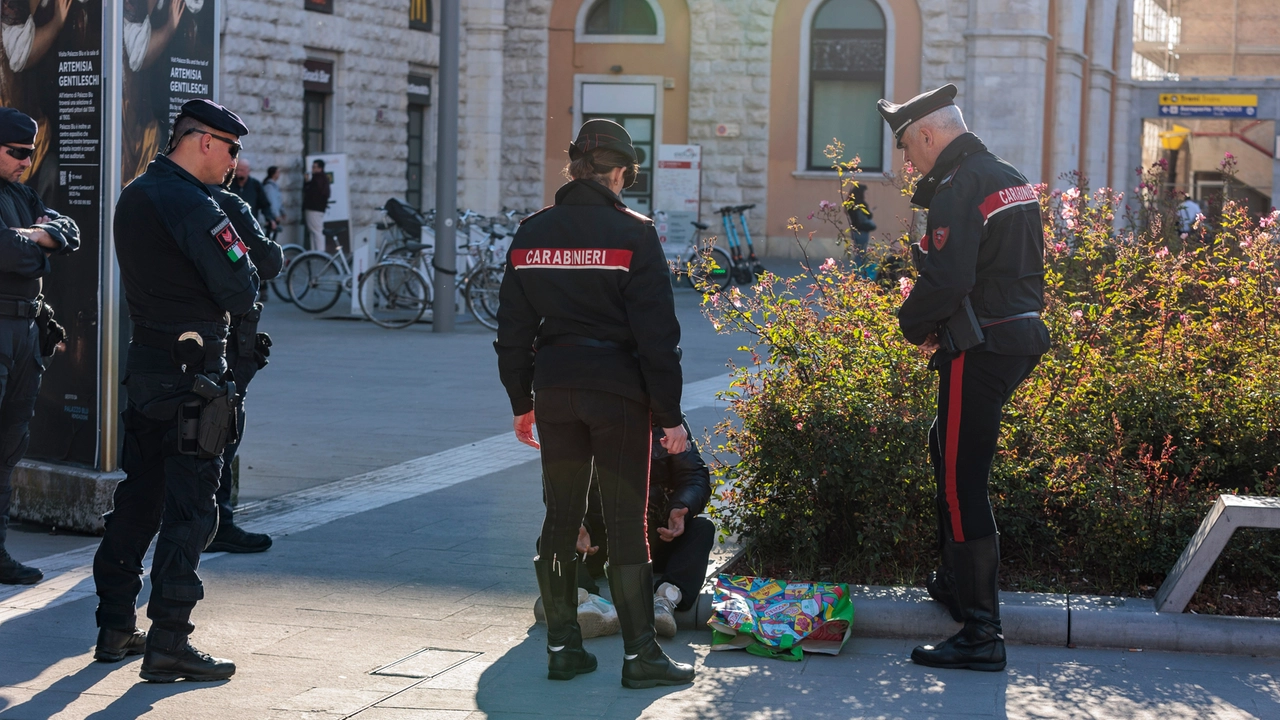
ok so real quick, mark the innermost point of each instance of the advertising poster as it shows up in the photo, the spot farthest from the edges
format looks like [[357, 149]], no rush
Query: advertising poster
[[677, 192], [168, 60], [51, 69]]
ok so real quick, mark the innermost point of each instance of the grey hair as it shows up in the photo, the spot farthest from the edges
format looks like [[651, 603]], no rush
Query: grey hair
[[947, 119]]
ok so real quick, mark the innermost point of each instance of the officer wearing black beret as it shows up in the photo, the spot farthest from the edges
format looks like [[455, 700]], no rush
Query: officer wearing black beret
[[587, 322], [976, 306], [185, 272], [29, 234]]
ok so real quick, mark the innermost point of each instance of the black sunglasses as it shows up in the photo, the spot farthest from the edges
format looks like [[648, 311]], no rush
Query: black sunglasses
[[233, 148], [19, 153]]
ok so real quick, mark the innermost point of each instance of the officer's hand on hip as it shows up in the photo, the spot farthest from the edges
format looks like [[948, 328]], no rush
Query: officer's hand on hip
[[675, 525], [524, 430], [930, 344], [676, 440]]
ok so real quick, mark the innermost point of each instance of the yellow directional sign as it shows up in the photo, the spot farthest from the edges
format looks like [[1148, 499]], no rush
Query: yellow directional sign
[[1202, 99]]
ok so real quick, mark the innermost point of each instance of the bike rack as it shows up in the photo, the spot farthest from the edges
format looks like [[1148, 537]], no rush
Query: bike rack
[[1228, 513]]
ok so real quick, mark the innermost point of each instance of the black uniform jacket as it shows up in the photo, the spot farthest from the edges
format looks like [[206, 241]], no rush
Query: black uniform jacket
[[22, 262], [589, 268], [266, 255], [985, 240], [182, 263]]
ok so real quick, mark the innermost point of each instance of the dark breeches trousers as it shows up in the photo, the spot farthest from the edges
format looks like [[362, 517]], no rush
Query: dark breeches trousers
[[20, 370], [579, 428], [164, 492], [973, 388]]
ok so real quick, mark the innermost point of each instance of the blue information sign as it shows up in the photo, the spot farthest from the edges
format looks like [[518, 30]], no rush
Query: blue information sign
[[1208, 111]]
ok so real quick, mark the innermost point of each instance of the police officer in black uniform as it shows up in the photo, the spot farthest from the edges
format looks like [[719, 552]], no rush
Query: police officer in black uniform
[[185, 273], [247, 352], [976, 305], [29, 234], [587, 322]]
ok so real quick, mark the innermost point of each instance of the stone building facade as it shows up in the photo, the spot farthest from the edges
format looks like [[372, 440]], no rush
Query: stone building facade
[[1046, 83]]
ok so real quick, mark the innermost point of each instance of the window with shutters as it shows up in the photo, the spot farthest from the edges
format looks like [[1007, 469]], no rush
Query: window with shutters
[[847, 56]]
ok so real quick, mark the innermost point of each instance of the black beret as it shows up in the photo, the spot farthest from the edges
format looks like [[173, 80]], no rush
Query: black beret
[[214, 115], [901, 116], [16, 127], [605, 134]]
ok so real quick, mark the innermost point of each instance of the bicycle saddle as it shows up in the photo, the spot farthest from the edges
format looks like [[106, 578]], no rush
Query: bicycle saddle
[[700, 225], [415, 247]]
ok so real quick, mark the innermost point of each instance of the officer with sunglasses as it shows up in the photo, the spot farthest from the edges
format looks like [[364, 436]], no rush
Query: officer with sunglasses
[[186, 273], [29, 234]]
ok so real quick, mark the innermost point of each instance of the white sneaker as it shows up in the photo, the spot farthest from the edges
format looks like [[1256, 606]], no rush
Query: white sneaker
[[597, 617], [665, 600]]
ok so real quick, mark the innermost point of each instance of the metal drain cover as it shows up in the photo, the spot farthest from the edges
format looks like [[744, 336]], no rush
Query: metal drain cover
[[426, 663]]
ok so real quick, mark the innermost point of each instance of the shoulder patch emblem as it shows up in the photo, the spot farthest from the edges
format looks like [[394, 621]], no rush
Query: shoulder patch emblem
[[571, 259], [229, 241], [940, 236], [535, 214]]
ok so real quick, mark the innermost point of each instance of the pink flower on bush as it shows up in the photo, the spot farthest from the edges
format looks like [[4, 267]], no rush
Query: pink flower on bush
[[1060, 247], [1233, 281], [1077, 315], [1199, 219], [908, 168], [1269, 219], [1163, 252], [905, 286], [826, 205], [828, 266], [1245, 244], [810, 216]]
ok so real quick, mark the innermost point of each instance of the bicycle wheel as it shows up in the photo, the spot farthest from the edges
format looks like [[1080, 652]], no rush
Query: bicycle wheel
[[711, 277], [314, 282], [482, 295], [278, 284], [394, 295]]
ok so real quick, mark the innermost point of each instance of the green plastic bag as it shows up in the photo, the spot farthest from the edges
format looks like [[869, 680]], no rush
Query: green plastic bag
[[773, 618]]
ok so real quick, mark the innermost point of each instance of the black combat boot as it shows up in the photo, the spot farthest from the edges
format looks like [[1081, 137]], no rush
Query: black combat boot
[[558, 583], [942, 582], [644, 665], [114, 645], [980, 644], [13, 572], [170, 657], [234, 539]]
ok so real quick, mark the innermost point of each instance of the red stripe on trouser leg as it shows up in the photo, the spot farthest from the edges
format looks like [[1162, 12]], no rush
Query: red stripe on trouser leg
[[648, 478], [953, 445]]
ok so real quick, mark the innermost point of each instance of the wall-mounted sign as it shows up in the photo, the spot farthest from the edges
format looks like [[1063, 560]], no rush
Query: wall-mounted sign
[[677, 192], [1212, 105], [420, 89], [317, 76], [728, 130]]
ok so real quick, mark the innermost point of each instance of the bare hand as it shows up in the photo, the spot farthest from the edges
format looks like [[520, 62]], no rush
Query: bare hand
[[584, 546], [930, 344], [675, 525], [60, 11], [176, 8], [676, 440], [524, 430]]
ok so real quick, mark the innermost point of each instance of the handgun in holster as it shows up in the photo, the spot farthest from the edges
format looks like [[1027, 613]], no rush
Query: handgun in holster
[[51, 333], [961, 331], [208, 424]]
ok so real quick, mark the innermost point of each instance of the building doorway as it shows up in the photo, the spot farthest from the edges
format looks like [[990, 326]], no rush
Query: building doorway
[[634, 106]]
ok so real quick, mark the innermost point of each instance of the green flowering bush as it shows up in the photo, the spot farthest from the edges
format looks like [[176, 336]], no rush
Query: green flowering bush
[[1162, 390]]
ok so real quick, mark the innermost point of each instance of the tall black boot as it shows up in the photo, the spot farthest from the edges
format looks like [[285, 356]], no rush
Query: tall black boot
[[942, 582], [980, 644], [558, 583], [644, 665]]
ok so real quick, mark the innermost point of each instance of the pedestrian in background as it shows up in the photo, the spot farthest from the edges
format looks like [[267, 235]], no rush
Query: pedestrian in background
[[315, 199], [586, 320], [185, 273], [29, 234], [976, 306], [249, 190], [275, 203]]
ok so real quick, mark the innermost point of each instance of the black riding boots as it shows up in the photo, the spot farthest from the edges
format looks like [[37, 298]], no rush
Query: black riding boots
[[980, 644], [644, 664], [558, 583]]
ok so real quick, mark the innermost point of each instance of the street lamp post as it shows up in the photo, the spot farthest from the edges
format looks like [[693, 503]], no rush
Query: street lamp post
[[446, 263]]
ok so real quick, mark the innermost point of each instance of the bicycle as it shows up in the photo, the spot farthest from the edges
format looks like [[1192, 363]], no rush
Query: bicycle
[[278, 285], [706, 267], [396, 292], [317, 279]]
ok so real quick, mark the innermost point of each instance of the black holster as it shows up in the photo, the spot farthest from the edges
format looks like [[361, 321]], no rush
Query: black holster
[[208, 424], [51, 333]]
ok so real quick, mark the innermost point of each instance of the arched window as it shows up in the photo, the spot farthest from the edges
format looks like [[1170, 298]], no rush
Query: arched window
[[620, 21], [847, 54], [621, 17]]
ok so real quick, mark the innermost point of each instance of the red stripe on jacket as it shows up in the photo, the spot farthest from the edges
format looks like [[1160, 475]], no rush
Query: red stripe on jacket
[[571, 258], [1007, 198]]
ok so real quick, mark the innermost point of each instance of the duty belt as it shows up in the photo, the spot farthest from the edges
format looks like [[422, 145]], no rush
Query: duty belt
[[988, 322], [21, 309], [214, 349], [580, 341]]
